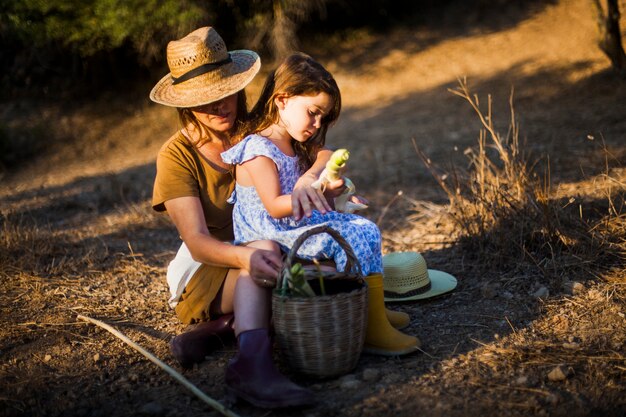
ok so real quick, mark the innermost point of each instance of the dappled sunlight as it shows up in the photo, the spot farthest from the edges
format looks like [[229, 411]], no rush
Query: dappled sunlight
[[101, 138], [400, 73], [550, 112], [534, 327]]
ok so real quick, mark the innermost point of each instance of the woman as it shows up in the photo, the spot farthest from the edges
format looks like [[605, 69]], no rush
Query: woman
[[210, 279]]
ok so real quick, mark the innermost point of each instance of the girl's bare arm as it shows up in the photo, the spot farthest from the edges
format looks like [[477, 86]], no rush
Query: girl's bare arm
[[262, 174]]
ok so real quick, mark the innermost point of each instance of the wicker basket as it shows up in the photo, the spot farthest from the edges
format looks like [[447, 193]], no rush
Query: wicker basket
[[323, 335]]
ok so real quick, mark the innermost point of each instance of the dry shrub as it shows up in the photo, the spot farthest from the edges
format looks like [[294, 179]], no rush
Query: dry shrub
[[511, 219]]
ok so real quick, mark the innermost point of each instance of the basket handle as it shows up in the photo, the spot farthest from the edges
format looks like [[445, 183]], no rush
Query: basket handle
[[352, 265]]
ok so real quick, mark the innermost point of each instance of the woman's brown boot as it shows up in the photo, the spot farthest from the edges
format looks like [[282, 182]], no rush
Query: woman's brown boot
[[194, 345], [252, 376]]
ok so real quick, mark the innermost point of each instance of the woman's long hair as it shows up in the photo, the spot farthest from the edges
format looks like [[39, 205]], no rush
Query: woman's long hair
[[186, 117], [298, 75]]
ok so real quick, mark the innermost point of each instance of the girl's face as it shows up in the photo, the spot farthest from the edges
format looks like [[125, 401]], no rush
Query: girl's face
[[302, 116], [218, 116]]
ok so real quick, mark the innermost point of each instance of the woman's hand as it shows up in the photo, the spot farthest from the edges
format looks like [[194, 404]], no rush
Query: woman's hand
[[305, 199], [264, 267], [263, 262]]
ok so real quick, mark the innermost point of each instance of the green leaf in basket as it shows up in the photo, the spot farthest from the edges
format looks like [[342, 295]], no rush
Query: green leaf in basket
[[297, 283]]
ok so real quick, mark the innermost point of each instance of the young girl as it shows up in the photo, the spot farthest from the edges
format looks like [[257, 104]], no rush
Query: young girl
[[291, 117], [298, 103]]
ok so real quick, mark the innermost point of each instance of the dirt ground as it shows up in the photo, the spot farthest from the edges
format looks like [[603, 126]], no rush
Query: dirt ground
[[79, 237]]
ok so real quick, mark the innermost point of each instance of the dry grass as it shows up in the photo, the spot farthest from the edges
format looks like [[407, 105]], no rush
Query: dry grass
[[511, 219], [572, 355], [504, 227]]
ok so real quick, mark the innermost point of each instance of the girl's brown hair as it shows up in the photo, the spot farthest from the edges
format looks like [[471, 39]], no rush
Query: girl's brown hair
[[186, 117], [297, 75]]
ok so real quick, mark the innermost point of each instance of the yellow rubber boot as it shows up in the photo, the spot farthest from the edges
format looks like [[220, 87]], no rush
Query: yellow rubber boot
[[381, 337], [397, 319]]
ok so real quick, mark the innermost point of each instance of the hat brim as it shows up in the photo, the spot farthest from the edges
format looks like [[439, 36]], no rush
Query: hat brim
[[440, 283], [245, 66]]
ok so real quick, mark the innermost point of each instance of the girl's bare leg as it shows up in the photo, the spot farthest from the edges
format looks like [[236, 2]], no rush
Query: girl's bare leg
[[250, 302], [252, 374]]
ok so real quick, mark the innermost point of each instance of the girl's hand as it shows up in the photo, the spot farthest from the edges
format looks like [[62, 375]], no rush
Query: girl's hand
[[305, 199], [359, 200], [334, 188]]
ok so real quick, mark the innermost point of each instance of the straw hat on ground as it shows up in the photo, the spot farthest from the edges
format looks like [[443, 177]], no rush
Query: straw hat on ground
[[407, 278], [203, 71]]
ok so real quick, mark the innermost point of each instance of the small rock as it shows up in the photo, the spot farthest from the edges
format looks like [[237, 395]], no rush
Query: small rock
[[560, 373], [553, 399], [391, 378], [349, 382], [594, 294], [352, 384], [522, 380], [571, 345], [371, 375], [96, 357], [47, 358], [573, 287], [507, 295], [542, 293]]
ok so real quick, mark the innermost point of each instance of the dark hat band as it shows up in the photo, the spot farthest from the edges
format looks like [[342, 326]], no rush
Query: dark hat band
[[202, 69], [421, 290]]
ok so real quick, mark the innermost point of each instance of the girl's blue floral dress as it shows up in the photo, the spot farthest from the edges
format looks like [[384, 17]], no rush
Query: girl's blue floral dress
[[253, 222]]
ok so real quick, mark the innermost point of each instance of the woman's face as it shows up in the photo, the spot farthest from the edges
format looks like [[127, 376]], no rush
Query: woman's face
[[218, 116]]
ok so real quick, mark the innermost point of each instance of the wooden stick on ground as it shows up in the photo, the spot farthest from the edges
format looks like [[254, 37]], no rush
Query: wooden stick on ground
[[210, 401]]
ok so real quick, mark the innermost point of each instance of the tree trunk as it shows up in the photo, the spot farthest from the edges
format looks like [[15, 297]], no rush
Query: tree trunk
[[283, 36], [610, 38]]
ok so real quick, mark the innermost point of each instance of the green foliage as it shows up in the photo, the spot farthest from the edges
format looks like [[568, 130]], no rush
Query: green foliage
[[295, 283], [89, 26], [71, 48]]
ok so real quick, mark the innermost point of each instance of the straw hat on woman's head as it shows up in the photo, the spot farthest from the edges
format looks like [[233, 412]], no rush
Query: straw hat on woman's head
[[203, 71]]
